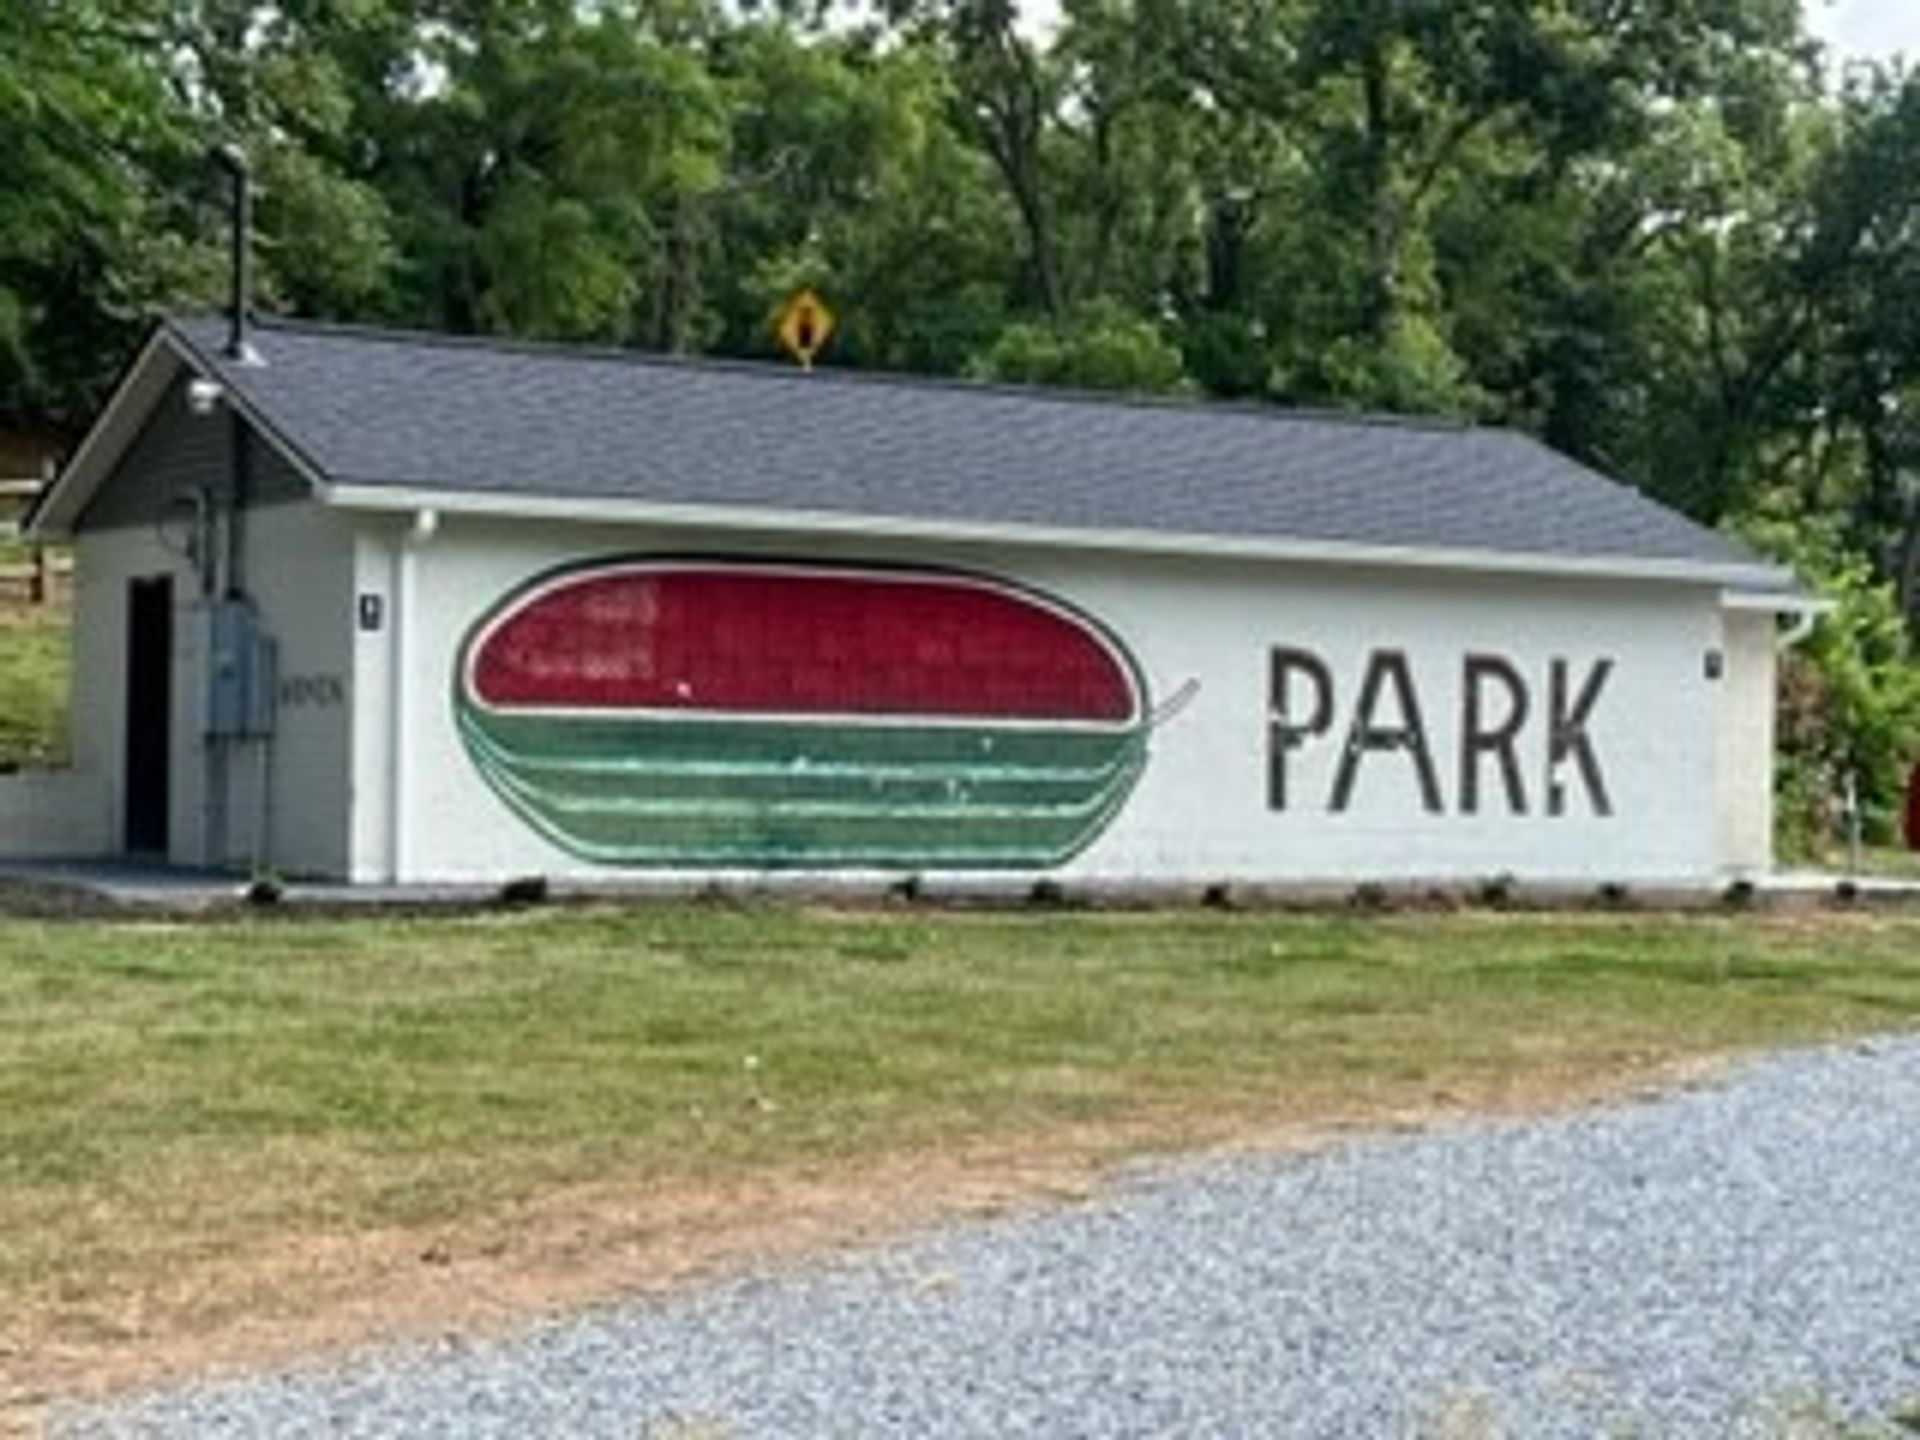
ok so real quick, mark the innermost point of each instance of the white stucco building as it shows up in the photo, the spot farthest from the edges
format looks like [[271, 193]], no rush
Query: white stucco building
[[384, 607]]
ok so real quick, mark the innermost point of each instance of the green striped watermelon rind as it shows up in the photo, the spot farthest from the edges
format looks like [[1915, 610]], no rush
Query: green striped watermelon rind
[[702, 790]]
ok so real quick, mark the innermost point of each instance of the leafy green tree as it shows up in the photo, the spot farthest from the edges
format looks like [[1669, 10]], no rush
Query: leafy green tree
[[112, 212], [1850, 694], [1861, 269], [270, 79], [1007, 97], [1652, 232], [85, 113], [1103, 348], [846, 174], [543, 163]]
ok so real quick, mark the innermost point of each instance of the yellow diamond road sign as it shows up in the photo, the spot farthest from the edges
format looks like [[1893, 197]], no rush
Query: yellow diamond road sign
[[804, 327]]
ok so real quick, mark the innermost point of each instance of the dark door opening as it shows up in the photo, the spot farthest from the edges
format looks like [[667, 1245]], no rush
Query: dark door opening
[[149, 712]]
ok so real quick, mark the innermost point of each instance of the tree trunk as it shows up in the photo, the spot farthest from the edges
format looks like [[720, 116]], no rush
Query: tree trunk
[[1007, 110], [1018, 156], [1384, 220], [677, 290], [1228, 221]]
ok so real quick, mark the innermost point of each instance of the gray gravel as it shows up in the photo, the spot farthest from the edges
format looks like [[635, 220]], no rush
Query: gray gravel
[[1734, 1260]]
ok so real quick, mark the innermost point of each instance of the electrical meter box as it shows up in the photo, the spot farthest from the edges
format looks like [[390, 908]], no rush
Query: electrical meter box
[[242, 670]]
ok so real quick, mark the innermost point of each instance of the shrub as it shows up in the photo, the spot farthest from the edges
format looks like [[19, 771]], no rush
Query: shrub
[[1368, 895], [523, 891], [1849, 695], [1495, 892], [1046, 895], [1100, 348]]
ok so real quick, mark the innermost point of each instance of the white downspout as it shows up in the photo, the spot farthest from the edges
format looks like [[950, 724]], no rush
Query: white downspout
[[426, 523]]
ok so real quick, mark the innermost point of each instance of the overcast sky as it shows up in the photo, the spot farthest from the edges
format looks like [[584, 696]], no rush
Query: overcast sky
[[1854, 28], [1863, 28]]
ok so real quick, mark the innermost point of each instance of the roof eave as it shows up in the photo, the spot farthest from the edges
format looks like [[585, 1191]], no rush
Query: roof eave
[[380, 496]]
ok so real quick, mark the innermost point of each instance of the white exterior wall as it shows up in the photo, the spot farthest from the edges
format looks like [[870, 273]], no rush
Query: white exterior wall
[[1200, 811], [299, 572], [1745, 804], [51, 813], [298, 569]]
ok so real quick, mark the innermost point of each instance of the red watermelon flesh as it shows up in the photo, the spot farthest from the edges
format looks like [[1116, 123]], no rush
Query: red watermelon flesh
[[765, 640]]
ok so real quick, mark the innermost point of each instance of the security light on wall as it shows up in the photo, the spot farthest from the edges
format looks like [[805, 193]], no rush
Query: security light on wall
[[204, 395]]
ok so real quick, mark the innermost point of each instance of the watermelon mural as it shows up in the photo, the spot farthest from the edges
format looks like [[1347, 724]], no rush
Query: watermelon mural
[[672, 712]]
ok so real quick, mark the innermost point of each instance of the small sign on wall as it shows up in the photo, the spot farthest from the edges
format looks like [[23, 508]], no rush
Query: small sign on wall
[[372, 610], [313, 691]]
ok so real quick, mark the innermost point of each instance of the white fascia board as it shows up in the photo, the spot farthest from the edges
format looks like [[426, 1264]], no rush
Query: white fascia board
[[348, 495], [1777, 602], [117, 426]]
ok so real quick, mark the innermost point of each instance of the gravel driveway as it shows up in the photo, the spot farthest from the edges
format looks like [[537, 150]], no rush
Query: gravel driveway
[[1741, 1259]]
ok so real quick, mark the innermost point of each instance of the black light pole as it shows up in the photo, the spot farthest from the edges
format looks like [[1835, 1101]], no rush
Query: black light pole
[[233, 160]]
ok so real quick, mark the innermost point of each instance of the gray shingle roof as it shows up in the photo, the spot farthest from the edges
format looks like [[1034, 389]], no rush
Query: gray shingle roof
[[375, 408]]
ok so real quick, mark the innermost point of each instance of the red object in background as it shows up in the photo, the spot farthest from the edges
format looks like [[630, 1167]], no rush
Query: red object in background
[[763, 639], [1913, 808]]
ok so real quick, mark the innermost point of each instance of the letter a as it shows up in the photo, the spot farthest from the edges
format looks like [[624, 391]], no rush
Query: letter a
[[1383, 668]]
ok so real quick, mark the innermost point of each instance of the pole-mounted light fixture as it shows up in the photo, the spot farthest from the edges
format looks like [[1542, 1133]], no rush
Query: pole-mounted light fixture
[[233, 160]]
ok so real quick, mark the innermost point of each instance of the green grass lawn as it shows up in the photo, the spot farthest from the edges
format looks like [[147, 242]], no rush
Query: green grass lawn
[[1899, 863], [1893, 862], [171, 1094], [34, 663]]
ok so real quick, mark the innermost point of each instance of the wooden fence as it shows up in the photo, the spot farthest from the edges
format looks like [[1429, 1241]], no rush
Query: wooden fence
[[36, 574]]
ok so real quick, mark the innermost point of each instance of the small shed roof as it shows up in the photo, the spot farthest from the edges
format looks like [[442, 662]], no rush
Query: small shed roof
[[394, 419]]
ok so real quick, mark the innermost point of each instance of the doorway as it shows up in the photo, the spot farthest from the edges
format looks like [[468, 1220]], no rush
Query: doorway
[[149, 729]]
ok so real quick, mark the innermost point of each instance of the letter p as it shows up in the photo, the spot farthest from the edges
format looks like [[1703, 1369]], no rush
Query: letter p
[[1289, 726]]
